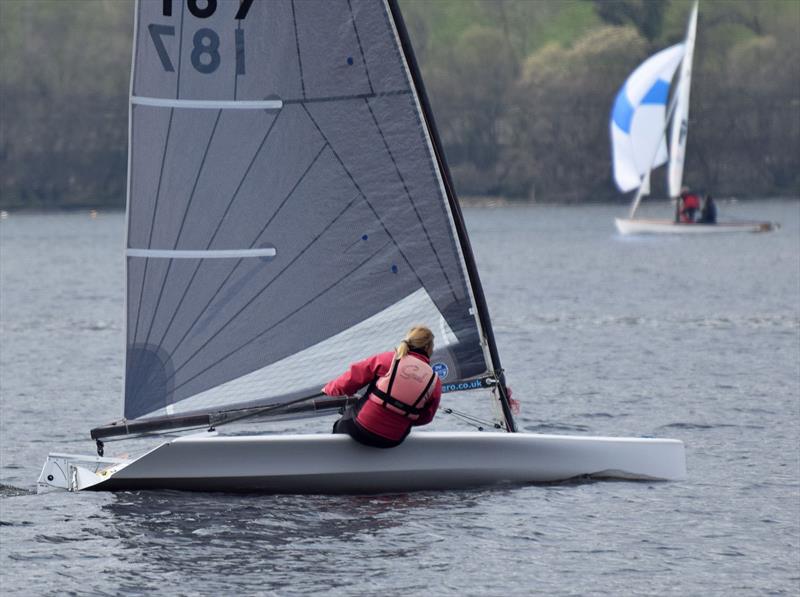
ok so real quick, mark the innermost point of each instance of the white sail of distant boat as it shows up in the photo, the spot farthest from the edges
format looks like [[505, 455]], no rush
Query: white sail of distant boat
[[638, 117], [290, 211], [639, 122], [679, 132]]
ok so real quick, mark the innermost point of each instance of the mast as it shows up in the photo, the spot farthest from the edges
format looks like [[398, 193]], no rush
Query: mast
[[641, 190], [676, 119], [680, 122], [455, 208]]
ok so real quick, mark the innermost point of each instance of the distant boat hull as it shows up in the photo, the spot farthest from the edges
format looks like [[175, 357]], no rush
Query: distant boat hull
[[323, 464], [627, 226]]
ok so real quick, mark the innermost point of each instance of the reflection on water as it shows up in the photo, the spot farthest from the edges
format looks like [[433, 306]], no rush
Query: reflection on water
[[265, 537]]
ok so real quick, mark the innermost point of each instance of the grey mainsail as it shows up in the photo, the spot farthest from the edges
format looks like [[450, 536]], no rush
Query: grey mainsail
[[287, 213]]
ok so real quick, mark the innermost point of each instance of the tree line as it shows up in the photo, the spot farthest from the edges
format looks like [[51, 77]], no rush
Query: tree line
[[521, 91]]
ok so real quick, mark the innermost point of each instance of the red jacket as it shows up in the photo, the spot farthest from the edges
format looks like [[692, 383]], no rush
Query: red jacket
[[691, 201], [374, 417]]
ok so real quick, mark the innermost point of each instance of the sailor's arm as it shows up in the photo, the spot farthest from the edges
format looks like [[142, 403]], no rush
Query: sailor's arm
[[358, 375]]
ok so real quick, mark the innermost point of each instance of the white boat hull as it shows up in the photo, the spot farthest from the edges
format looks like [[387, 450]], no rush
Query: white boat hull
[[636, 226], [319, 463]]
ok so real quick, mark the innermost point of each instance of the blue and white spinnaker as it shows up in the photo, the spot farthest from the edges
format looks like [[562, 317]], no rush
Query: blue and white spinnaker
[[638, 119]]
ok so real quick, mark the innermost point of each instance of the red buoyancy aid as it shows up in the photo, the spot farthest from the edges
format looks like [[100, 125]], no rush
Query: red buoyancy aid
[[691, 201], [406, 388]]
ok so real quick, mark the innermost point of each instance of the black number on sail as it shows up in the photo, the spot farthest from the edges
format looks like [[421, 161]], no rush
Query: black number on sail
[[194, 8], [202, 13], [239, 52], [205, 55], [243, 8], [156, 31], [208, 10], [206, 42]]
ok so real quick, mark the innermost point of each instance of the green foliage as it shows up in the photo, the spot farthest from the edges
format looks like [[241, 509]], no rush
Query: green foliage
[[521, 91], [564, 97], [646, 15], [436, 25], [64, 71], [548, 129], [473, 137]]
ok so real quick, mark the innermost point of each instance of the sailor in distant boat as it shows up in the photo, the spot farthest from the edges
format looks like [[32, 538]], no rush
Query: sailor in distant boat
[[688, 203], [708, 214], [403, 392]]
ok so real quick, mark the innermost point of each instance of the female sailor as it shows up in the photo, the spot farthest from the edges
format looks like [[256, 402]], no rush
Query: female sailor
[[403, 392]]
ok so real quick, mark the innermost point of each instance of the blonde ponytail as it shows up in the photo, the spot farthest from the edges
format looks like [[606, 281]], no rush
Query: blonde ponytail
[[419, 337]]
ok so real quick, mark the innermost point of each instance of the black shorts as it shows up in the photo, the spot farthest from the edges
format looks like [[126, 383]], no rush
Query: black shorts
[[347, 424]]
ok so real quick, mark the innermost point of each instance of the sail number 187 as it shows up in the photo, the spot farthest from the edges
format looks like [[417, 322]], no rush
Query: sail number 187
[[205, 54]]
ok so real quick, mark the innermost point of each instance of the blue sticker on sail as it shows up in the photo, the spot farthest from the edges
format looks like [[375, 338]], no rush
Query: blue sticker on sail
[[441, 370]]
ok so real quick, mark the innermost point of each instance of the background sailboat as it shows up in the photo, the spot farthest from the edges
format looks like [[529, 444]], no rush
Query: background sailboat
[[639, 122], [290, 211]]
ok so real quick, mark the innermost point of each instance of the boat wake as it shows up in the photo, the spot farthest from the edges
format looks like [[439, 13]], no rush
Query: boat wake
[[11, 491]]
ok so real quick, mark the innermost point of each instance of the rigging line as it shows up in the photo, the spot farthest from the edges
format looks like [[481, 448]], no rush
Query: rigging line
[[238, 263], [470, 420], [411, 200], [183, 222], [360, 47], [438, 178], [463, 415], [478, 298], [364, 197], [213, 236], [180, 53], [662, 138], [330, 287], [344, 98], [152, 226], [259, 293], [299, 59], [422, 127]]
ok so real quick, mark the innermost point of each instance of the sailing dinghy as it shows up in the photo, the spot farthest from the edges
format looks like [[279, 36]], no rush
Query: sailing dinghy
[[290, 211], [639, 122]]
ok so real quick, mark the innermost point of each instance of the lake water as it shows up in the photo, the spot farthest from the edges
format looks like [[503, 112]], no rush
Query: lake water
[[691, 338]]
